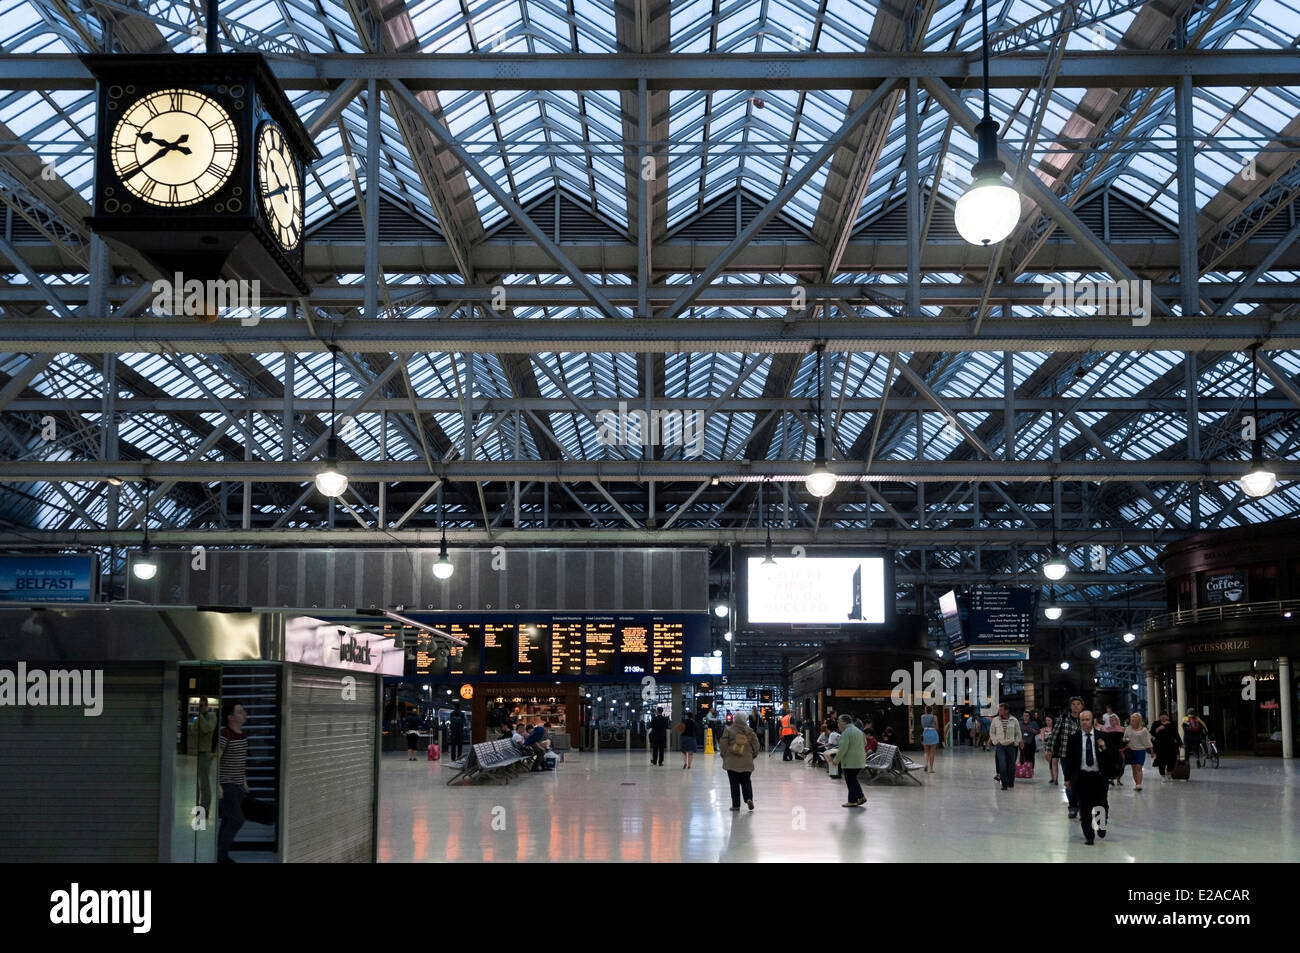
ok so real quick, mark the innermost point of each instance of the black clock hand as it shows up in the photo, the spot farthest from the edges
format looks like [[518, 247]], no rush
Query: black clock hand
[[158, 155], [271, 195], [169, 146]]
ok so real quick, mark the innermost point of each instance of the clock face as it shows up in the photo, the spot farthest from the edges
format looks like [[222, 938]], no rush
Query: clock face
[[277, 186], [174, 147]]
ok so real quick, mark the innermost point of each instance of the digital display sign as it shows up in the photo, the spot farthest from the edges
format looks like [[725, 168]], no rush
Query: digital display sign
[[633, 645], [566, 645], [533, 657], [465, 659], [600, 655], [668, 638], [498, 647], [548, 647], [816, 590]]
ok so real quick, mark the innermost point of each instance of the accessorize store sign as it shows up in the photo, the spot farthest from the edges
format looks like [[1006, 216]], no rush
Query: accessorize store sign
[[317, 642], [47, 578]]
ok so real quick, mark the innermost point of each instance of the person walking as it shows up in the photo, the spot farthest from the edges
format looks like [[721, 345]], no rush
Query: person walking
[[788, 731], [1087, 765], [1028, 740], [1046, 738], [851, 756], [973, 728], [1194, 732], [739, 748], [455, 733], [203, 736], [686, 732], [1138, 741], [659, 726], [1004, 735], [1066, 729], [929, 736], [1165, 742], [232, 755]]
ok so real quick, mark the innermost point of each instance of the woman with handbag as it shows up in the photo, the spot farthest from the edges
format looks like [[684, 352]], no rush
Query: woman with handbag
[[1046, 737], [686, 734], [739, 748], [1165, 743]]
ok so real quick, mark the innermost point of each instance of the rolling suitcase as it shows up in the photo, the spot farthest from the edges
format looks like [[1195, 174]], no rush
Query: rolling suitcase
[[434, 752], [1182, 771]]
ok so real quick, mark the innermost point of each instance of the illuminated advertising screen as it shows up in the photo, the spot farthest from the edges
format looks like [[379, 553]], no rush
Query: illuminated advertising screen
[[816, 590]]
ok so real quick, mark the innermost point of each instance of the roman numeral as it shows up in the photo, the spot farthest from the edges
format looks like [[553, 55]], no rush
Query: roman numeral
[[175, 100], [151, 106], [222, 146], [129, 172], [148, 189], [173, 195]]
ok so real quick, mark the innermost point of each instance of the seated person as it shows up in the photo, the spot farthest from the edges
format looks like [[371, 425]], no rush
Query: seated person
[[538, 744], [821, 739], [888, 737], [872, 743], [516, 735]]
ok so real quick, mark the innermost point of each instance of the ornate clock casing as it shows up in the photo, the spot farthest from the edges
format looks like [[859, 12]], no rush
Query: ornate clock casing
[[201, 163]]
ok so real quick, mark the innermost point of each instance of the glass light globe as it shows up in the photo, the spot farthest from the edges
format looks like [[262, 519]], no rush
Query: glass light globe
[[1095, 653], [443, 569], [727, 636], [1065, 666], [1052, 612], [988, 211], [1055, 568], [1135, 688], [721, 610], [144, 568], [939, 652], [717, 653], [1258, 482], [821, 482], [1129, 637], [330, 482]]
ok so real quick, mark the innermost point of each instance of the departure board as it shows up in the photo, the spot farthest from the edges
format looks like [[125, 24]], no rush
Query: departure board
[[465, 661], [545, 647], [566, 645], [668, 639], [533, 657], [600, 659], [498, 647], [633, 644]]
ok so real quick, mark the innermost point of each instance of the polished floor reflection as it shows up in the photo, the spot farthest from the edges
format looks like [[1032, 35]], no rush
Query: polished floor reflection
[[616, 807]]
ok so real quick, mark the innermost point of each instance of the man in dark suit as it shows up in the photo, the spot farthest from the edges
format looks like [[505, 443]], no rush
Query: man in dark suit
[[1089, 763]]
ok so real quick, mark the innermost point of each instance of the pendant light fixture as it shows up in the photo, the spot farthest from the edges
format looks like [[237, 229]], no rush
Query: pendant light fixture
[[1052, 611], [821, 482], [331, 481], [1056, 567], [1258, 480], [443, 568], [145, 567], [1129, 637], [988, 210]]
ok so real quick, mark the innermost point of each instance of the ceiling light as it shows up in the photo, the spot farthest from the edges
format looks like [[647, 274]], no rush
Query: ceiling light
[[988, 210], [1258, 480], [1055, 568], [717, 653], [728, 636], [145, 567], [330, 481], [1134, 686], [820, 482], [939, 652], [1095, 653], [442, 568], [1065, 666], [721, 610], [1129, 637], [997, 675], [1052, 612]]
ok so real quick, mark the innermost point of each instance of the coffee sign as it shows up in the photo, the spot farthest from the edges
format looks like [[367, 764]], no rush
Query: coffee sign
[[1225, 587]]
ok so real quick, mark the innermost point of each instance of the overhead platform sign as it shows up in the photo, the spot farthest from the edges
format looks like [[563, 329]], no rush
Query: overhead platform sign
[[990, 623], [47, 578]]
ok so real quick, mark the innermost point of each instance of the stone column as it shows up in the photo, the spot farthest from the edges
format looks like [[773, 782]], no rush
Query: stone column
[[1153, 700], [1180, 687]]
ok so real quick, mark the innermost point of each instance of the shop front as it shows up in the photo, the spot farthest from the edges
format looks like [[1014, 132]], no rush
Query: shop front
[[1227, 647]]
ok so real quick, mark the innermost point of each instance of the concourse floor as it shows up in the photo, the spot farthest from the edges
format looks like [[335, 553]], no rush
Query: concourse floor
[[615, 806]]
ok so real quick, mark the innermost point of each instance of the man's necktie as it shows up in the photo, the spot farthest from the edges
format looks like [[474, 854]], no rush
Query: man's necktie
[[1088, 758]]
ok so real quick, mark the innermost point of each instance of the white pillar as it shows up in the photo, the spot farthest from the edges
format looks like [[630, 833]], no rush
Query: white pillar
[[1284, 694], [1153, 703], [1180, 687]]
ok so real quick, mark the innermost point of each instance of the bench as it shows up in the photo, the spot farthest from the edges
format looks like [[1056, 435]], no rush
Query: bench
[[493, 760], [888, 761]]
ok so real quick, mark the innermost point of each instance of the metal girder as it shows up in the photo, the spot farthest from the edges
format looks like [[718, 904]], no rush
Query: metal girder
[[775, 295], [573, 471], [885, 335], [863, 403], [901, 539], [819, 71]]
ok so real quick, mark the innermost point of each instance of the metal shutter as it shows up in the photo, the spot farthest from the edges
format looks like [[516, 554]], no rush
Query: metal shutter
[[77, 789], [329, 777]]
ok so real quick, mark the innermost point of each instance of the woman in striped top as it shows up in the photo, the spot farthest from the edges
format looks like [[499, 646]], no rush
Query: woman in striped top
[[232, 749]]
